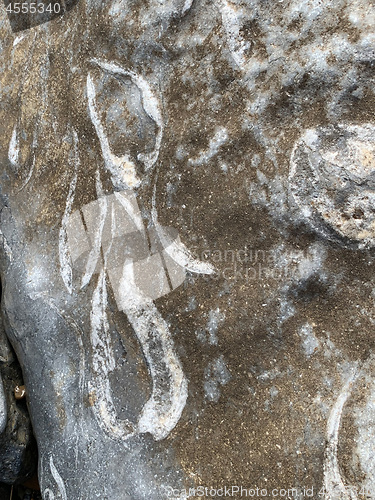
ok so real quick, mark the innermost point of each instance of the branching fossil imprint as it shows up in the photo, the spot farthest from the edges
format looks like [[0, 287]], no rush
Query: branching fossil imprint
[[116, 245]]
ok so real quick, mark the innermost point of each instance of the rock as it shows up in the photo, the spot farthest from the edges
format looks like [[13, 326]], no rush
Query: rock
[[18, 452], [234, 350], [5, 491], [332, 181]]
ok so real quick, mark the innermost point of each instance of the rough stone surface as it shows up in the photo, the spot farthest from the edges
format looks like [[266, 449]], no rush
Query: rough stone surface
[[18, 453], [247, 127]]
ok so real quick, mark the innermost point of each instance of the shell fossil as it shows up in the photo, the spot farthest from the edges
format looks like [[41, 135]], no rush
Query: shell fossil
[[332, 182]]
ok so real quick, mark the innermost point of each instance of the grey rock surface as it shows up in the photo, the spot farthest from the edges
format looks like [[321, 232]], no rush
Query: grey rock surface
[[238, 353]]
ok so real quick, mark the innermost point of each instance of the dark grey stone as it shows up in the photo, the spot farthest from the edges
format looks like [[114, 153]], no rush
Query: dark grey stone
[[18, 452]]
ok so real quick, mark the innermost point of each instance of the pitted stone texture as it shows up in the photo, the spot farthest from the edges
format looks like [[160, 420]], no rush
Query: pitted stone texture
[[332, 180]]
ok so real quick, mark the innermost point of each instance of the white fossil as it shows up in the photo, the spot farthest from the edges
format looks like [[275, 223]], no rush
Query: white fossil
[[332, 181], [108, 237]]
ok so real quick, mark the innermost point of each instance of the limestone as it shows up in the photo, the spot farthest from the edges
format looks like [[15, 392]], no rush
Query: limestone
[[187, 255], [332, 180]]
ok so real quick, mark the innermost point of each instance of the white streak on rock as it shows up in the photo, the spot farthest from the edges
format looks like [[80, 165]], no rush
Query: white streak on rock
[[215, 318], [6, 246], [135, 216], [103, 359], [178, 251], [122, 169], [169, 394], [216, 374], [48, 495], [149, 102], [13, 152], [97, 243], [220, 138], [187, 6], [58, 479], [29, 175], [3, 408], [309, 341], [237, 45], [64, 253], [18, 39], [333, 483], [103, 364]]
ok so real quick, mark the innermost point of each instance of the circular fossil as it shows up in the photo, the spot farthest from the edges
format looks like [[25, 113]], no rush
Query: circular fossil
[[332, 181]]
